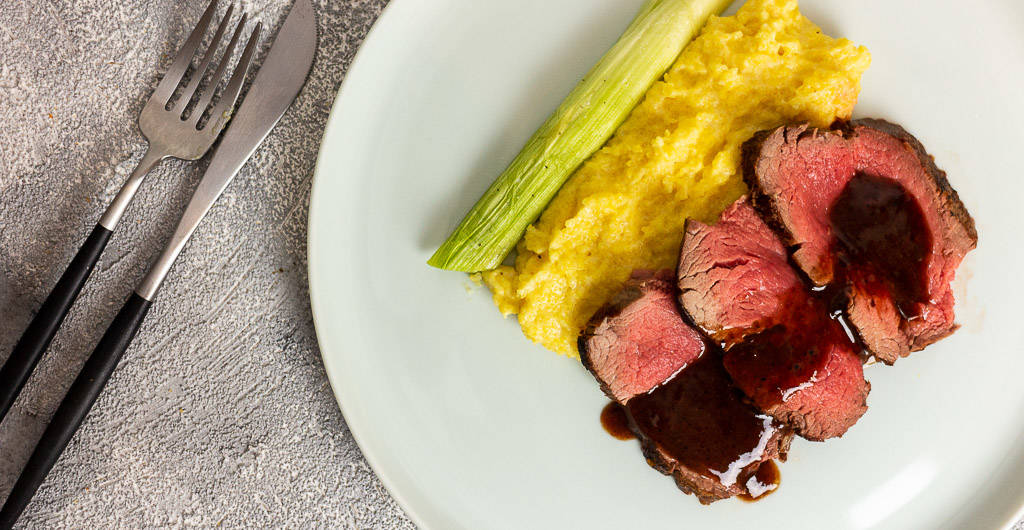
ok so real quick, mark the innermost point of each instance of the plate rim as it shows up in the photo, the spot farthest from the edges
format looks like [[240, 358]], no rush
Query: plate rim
[[332, 377]]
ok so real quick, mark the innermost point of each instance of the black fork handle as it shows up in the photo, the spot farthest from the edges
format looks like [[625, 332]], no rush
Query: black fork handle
[[76, 405], [44, 325]]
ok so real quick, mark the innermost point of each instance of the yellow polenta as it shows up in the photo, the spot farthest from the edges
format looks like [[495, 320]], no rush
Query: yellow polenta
[[676, 156]]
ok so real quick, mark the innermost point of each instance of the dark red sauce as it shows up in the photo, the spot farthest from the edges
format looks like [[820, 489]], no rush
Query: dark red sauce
[[615, 422], [881, 243], [882, 240], [700, 419], [773, 364], [764, 482]]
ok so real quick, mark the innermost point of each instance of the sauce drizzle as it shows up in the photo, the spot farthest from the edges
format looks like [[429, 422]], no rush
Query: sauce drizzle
[[882, 241], [699, 419], [774, 364], [615, 422], [763, 482]]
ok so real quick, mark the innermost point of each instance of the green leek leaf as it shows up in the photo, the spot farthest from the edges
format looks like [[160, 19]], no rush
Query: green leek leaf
[[579, 126]]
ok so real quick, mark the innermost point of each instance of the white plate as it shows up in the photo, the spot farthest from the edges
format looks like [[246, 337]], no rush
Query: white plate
[[471, 426]]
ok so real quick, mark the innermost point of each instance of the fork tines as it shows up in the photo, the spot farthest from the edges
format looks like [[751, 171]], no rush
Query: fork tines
[[176, 73]]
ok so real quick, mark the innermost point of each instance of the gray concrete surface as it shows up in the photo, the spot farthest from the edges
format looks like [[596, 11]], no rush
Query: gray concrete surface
[[220, 414]]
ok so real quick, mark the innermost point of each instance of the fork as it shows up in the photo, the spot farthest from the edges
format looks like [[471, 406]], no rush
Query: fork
[[171, 133]]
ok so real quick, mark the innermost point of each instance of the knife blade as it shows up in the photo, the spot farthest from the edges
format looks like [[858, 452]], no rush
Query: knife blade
[[275, 87]]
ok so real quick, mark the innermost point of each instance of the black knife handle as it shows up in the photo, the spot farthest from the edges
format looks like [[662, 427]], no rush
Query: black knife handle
[[41, 330], [76, 405]]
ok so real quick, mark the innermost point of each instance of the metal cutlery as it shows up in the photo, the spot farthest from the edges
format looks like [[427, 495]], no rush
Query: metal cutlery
[[276, 85], [173, 131]]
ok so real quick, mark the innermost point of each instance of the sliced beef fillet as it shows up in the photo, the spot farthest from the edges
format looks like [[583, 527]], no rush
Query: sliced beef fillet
[[638, 341], [864, 207], [809, 378], [734, 277], [782, 348], [691, 421]]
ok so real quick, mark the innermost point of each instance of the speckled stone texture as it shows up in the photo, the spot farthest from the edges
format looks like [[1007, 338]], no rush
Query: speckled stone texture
[[220, 413]]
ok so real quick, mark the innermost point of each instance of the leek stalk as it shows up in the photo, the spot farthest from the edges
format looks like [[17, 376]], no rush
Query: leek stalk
[[579, 126]]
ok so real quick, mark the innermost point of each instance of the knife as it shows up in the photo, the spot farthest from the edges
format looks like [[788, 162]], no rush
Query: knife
[[276, 85]]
